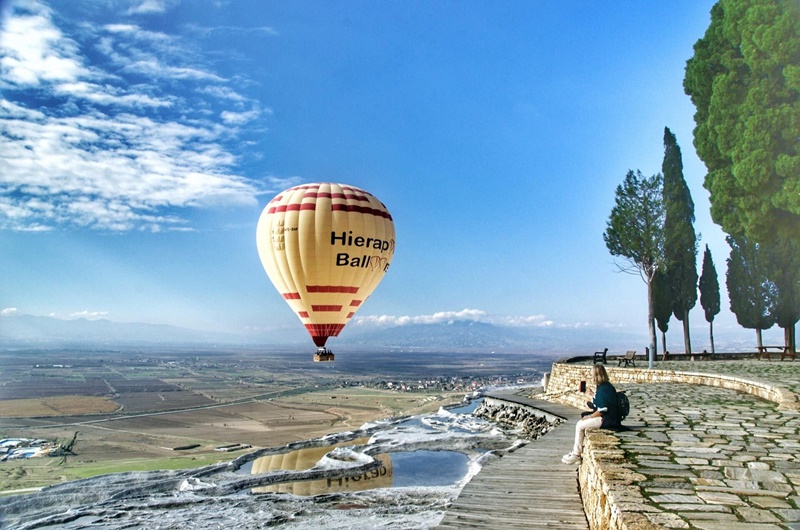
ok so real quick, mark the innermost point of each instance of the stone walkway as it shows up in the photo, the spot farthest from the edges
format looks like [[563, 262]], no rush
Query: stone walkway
[[711, 458]]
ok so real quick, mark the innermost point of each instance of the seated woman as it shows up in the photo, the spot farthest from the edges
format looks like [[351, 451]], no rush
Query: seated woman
[[605, 414]]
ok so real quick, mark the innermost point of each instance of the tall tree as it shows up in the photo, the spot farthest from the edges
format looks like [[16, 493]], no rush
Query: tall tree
[[751, 293], [680, 241], [709, 293], [744, 80], [662, 306], [635, 232]]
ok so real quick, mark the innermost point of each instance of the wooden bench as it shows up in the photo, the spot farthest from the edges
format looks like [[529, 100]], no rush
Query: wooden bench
[[600, 356], [629, 359], [784, 351]]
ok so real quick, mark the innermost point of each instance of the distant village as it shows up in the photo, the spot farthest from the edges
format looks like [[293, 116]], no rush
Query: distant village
[[464, 384]]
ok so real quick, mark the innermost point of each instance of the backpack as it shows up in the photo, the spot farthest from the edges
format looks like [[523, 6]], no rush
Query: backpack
[[623, 405]]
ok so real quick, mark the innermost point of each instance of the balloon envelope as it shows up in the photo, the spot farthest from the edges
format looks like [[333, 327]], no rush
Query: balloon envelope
[[325, 247]]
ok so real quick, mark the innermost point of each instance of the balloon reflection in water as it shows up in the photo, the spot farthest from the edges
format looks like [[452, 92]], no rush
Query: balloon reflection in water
[[303, 459]]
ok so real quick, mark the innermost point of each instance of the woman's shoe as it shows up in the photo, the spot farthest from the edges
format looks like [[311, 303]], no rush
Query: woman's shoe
[[571, 458]]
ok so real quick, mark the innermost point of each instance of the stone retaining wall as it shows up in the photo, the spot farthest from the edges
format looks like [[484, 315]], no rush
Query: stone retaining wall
[[563, 381], [531, 423], [607, 484]]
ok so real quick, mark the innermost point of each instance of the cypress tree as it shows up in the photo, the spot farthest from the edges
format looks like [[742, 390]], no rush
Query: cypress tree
[[709, 293], [662, 306], [680, 242]]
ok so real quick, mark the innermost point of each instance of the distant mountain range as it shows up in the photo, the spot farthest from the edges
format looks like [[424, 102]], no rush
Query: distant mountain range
[[469, 335], [18, 330], [38, 330]]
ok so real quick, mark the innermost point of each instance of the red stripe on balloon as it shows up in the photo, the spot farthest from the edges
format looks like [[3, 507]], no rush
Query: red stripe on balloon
[[294, 207], [328, 195], [326, 308], [331, 289], [356, 303], [291, 296], [360, 209], [321, 332], [303, 314]]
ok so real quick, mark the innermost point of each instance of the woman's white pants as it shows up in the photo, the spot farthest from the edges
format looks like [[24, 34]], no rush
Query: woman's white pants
[[580, 431]]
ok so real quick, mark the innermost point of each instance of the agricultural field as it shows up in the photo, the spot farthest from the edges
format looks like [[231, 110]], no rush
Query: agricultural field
[[57, 406], [134, 410]]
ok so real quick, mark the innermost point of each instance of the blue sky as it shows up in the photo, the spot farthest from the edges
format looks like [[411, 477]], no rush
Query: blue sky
[[142, 138]]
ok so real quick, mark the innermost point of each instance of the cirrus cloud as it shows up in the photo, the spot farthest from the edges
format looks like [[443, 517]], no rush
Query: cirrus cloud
[[92, 140]]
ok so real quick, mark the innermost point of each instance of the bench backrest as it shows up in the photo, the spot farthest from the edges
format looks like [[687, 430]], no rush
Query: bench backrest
[[630, 354]]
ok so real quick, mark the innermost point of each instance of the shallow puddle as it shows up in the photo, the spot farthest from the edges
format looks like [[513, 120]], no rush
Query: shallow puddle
[[398, 470]]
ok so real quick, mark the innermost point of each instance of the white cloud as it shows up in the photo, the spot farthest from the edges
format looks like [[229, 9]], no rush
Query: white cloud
[[444, 317], [154, 68], [134, 30], [238, 118], [238, 30], [99, 144], [8, 311], [89, 315], [148, 7], [223, 92], [34, 51]]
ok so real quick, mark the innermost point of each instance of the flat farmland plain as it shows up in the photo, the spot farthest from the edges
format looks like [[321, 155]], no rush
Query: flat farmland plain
[[136, 410]]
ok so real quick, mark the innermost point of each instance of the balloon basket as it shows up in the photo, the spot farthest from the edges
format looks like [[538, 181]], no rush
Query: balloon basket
[[323, 355]]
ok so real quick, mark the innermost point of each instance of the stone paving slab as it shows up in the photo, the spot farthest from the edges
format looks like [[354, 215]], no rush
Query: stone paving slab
[[715, 458]]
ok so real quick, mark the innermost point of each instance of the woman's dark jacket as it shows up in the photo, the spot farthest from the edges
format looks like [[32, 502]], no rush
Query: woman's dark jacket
[[605, 399]]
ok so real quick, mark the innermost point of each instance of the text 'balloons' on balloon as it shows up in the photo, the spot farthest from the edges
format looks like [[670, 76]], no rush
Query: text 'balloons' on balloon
[[325, 247]]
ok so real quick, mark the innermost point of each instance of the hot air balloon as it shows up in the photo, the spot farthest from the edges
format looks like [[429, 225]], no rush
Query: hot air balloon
[[325, 247]]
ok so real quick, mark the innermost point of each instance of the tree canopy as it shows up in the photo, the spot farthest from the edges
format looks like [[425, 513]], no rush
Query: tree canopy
[[635, 228], [635, 231], [744, 80]]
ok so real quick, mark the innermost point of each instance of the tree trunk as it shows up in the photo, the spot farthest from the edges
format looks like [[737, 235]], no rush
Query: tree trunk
[[687, 342], [664, 344], [711, 331], [758, 336], [651, 321]]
